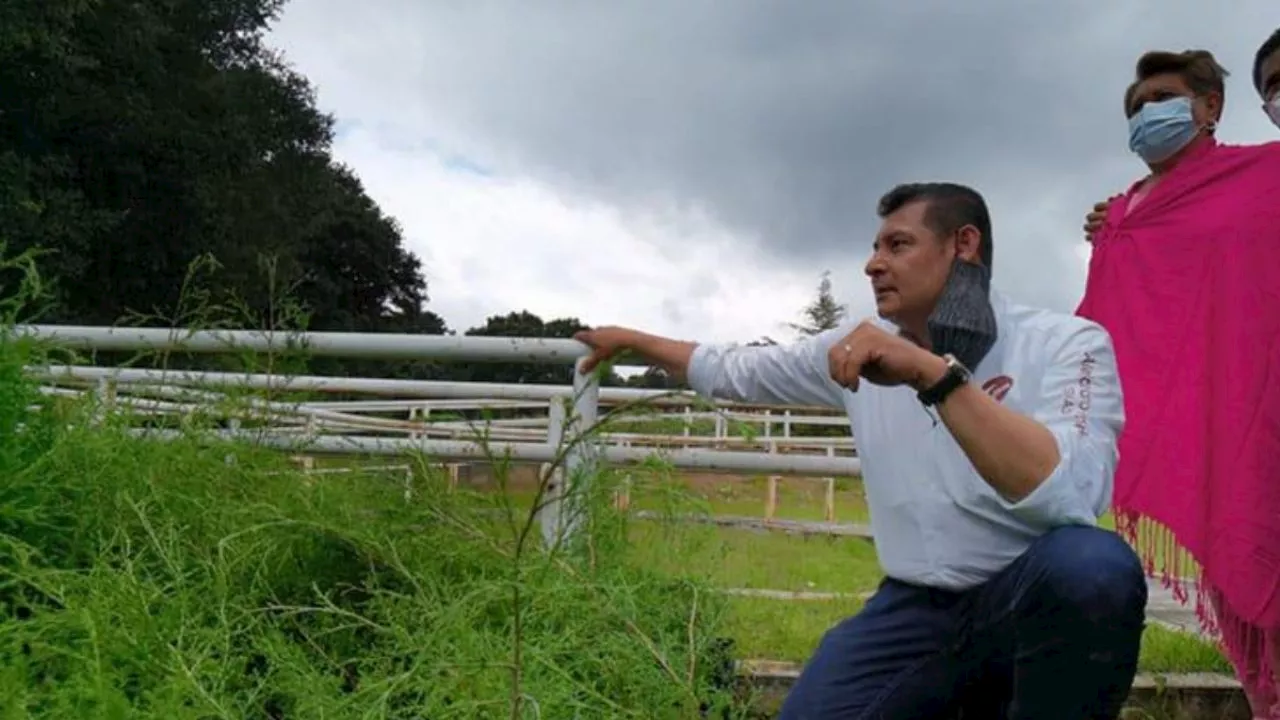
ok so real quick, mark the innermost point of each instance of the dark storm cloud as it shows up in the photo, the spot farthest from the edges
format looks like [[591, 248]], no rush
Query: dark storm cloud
[[787, 120]]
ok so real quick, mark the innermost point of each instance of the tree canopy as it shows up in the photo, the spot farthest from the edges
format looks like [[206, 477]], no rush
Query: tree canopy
[[138, 136]]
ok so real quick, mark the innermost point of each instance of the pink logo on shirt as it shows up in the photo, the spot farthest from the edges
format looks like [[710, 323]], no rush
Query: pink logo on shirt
[[998, 386]]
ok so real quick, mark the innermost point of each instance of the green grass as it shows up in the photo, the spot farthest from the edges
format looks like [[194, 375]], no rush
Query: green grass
[[154, 580], [730, 558], [141, 579], [789, 629]]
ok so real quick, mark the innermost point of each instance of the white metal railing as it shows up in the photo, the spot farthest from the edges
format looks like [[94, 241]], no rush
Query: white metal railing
[[654, 425], [388, 346], [383, 387], [571, 410]]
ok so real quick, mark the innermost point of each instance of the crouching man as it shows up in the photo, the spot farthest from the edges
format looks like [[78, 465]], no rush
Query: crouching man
[[987, 433]]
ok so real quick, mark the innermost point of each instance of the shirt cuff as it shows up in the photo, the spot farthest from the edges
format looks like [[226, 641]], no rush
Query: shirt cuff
[[701, 373], [1056, 501]]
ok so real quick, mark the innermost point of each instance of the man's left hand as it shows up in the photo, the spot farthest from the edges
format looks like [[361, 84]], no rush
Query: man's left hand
[[882, 358]]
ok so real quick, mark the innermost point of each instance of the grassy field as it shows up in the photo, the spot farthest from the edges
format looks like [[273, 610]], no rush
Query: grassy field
[[180, 580], [789, 629], [783, 629]]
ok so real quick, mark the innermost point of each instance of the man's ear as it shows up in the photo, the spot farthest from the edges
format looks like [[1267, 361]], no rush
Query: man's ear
[[968, 241], [1215, 103]]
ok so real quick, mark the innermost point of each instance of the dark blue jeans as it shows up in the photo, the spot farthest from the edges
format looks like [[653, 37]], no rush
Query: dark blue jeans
[[1054, 635]]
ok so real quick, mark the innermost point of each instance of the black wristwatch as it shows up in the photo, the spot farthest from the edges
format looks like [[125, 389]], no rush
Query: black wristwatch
[[956, 376]]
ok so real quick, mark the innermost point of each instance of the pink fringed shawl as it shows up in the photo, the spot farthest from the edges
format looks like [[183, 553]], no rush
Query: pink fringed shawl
[[1188, 285]]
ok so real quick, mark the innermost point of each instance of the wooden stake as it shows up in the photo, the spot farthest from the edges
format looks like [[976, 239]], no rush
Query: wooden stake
[[829, 506], [771, 499], [622, 495]]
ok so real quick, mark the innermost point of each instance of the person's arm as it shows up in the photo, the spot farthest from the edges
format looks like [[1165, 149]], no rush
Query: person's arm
[[669, 355], [1055, 467], [796, 374]]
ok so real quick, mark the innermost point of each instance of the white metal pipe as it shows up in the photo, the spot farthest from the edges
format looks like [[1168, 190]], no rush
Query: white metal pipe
[[742, 417], [508, 432], [330, 423], [404, 405], [318, 383], [445, 450], [356, 406], [330, 420], [330, 344], [435, 389]]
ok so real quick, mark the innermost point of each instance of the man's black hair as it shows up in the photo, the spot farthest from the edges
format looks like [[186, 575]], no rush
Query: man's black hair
[[950, 207], [1270, 47]]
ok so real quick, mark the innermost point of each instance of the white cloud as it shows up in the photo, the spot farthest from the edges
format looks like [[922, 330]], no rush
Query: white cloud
[[778, 127], [492, 244]]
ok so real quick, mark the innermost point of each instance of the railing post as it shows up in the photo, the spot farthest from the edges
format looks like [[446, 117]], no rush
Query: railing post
[[413, 418], [581, 461], [830, 500], [105, 391], [550, 514]]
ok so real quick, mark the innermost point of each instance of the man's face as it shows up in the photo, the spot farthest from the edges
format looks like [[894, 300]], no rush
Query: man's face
[[909, 266], [1271, 78], [1170, 85]]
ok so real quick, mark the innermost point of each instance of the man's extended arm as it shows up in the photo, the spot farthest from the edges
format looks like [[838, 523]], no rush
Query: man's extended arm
[[795, 374], [1055, 467]]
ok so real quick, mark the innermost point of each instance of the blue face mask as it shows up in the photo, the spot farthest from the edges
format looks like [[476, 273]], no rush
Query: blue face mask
[[1161, 129]]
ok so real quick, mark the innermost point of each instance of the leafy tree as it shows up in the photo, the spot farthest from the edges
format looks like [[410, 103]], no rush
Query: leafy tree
[[137, 136], [521, 324], [654, 378]]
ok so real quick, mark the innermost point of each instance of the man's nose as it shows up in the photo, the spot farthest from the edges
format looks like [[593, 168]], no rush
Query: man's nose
[[875, 266]]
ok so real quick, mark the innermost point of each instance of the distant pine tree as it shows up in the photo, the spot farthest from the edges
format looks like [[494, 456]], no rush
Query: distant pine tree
[[824, 313]]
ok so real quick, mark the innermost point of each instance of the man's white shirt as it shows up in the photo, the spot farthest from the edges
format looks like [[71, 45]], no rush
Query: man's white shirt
[[935, 521]]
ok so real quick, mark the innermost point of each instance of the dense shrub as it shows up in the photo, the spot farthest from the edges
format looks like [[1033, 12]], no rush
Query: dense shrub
[[147, 579]]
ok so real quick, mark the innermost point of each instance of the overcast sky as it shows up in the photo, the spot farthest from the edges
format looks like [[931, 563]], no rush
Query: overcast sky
[[691, 167]]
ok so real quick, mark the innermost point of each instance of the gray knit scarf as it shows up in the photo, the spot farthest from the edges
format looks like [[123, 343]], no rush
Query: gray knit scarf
[[963, 323]]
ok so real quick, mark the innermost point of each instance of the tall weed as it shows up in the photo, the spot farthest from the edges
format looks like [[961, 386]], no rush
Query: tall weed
[[146, 579]]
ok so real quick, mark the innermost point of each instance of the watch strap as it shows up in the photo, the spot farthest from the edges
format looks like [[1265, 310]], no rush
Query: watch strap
[[957, 375]]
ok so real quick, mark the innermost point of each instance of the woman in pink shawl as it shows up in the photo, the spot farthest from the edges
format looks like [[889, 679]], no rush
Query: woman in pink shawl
[[1185, 275]]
